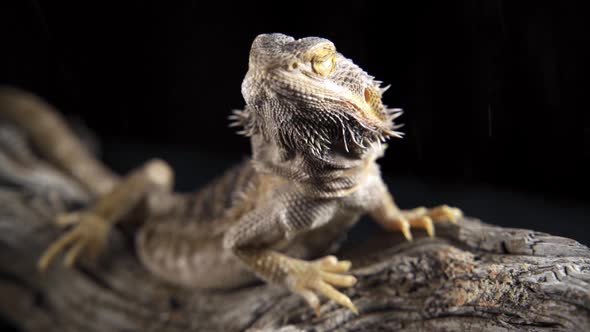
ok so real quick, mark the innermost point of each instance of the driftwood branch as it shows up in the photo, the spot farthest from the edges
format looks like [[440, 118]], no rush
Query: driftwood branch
[[473, 276]]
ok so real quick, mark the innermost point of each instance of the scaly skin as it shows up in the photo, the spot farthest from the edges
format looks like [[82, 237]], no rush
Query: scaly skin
[[316, 123]]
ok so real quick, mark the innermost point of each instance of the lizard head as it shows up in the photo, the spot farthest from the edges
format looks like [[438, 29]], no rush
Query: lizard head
[[306, 97]]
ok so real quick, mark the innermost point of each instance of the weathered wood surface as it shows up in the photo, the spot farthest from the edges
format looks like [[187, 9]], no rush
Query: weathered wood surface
[[472, 277]]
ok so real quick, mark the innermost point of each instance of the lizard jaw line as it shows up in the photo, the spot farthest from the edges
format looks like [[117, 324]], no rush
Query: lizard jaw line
[[331, 91]]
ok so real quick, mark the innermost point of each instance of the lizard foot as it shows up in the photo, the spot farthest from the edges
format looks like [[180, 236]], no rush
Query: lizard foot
[[88, 234], [424, 218], [307, 279]]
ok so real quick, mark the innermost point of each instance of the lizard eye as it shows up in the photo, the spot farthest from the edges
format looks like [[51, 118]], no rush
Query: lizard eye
[[324, 65]]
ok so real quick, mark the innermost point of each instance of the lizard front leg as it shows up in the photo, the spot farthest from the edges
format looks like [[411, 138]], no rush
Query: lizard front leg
[[390, 217], [305, 278], [91, 226], [253, 238]]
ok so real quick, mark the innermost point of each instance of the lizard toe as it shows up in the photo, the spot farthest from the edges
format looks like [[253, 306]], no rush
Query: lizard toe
[[87, 236], [321, 277]]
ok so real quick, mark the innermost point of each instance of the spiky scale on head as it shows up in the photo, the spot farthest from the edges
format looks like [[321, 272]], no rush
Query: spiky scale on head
[[306, 97]]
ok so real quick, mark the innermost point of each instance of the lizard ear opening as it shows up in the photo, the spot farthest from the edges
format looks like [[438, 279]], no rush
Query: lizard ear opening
[[372, 95]]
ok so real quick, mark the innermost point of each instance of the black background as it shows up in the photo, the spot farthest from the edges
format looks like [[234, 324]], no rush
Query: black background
[[494, 91]]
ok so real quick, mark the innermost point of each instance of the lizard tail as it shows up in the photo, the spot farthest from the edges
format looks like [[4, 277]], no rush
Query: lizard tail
[[50, 134]]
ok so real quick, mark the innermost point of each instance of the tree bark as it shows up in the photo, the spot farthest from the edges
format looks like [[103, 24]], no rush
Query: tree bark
[[472, 276]]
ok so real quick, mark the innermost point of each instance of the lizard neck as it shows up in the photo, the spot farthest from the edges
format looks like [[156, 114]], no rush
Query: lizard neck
[[336, 183], [324, 178]]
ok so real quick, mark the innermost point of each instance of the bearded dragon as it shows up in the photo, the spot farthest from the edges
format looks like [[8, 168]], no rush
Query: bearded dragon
[[316, 123]]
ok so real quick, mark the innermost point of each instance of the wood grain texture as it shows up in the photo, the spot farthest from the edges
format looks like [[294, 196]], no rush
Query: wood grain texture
[[472, 277]]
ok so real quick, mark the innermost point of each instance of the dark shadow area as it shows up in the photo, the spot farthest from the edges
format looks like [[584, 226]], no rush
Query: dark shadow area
[[6, 326]]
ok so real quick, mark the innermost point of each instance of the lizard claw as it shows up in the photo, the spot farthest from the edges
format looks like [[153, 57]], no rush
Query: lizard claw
[[321, 276], [424, 218], [445, 213], [400, 224], [88, 234], [424, 222]]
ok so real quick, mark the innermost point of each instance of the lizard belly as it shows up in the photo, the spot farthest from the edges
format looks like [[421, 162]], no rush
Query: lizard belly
[[188, 250], [190, 255]]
